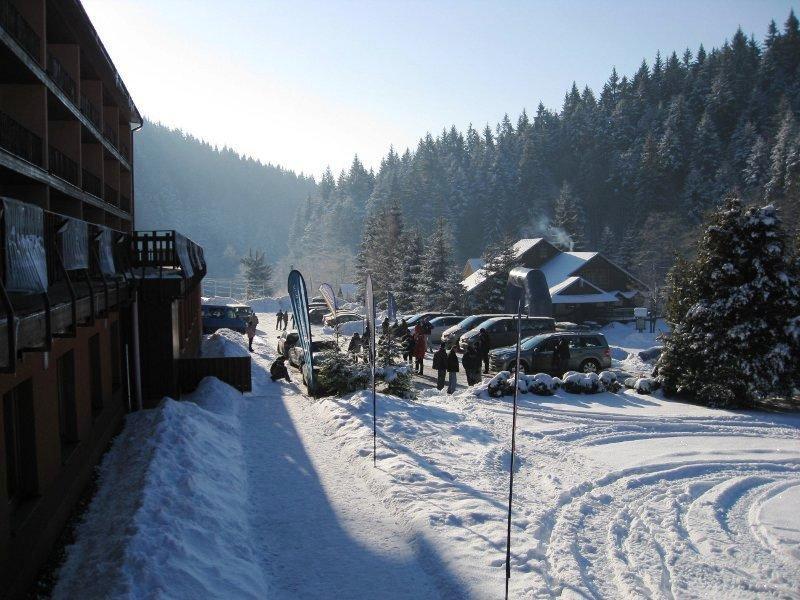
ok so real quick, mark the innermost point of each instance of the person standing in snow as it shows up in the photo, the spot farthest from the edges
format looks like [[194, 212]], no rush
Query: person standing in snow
[[452, 370], [250, 329], [408, 346], [484, 345], [280, 319], [440, 366], [286, 320], [419, 348], [278, 370], [354, 347], [472, 365], [385, 326], [561, 356], [293, 327]]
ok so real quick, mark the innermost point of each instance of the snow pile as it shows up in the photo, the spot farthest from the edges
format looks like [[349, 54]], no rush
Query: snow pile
[[224, 342], [169, 518], [351, 327], [633, 351], [270, 305]]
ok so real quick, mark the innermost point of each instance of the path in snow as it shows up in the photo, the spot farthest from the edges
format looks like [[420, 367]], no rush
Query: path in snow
[[322, 532]]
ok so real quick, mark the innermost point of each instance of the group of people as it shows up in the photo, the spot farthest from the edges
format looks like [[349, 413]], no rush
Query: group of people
[[283, 320]]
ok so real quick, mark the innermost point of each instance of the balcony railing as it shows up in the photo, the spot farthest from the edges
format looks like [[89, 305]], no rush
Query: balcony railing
[[19, 29], [168, 249], [92, 184], [60, 76], [62, 166], [110, 134], [18, 140], [111, 195], [90, 111], [125, 203]]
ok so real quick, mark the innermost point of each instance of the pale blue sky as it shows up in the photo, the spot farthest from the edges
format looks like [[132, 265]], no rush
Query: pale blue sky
[[310, 84]]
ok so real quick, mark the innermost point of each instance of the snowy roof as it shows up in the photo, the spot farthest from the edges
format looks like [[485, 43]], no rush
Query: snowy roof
[[562, 265], [569, 281], [471, 282], [525, 244]]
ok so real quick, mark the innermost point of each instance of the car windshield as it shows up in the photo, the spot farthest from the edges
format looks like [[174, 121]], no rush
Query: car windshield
[[413, 319], [533, 341], [439, 321], [471, 322]]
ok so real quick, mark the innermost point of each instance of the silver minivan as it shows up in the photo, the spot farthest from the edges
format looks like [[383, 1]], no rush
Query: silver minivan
[[588, 353], [503, 330]]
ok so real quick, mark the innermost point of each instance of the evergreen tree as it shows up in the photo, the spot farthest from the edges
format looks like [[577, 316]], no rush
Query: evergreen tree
[[731, 307], [498, 259], [256, 271], [569, 217], [438, 285]]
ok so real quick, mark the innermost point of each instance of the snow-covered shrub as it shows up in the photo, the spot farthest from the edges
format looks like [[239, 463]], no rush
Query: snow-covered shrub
[[645, 385], [541, 384], [497, 384], [339, 374], [608, 379], [591, 384], [573, 382]]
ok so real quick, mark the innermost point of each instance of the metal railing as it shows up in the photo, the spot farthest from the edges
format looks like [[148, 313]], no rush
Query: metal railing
[[60, 76], [92, 184], [237, 289], [19, 29], [62, 166], [90, 111], [17, 139]]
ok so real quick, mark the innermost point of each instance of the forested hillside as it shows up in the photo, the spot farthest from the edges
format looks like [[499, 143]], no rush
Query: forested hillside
[[629, 169], [226, 202]]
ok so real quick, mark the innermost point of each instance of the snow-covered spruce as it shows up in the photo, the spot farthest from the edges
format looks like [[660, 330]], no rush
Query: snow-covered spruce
[[733, 309]]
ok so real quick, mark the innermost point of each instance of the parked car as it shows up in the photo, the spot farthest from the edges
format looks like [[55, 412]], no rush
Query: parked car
[[452, 335], [414, 319], [588, 353], [503, 330], [341, 317], [297, 356], [225, 316], [286, 340], [316, 313], [439, 325]]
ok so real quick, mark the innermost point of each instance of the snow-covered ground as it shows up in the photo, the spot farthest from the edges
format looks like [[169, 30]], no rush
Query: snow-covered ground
[[274, 495], [627, 345]]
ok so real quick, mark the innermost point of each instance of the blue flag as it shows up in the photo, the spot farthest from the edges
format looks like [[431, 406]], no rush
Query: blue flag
[[391, 308], [299, 297]]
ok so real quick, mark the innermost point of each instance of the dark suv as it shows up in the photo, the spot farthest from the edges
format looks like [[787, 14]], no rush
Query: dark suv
[[503, 330], [588, 353]]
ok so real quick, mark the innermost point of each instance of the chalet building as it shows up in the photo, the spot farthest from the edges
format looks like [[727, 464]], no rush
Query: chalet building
[[81, 292], [584, 286]]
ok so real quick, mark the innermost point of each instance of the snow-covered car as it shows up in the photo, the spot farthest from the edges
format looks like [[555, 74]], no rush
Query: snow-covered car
[[286, 340], [503, 330], [588, 353], [438, 327], [297, 356], [452, 335], [341, 317]]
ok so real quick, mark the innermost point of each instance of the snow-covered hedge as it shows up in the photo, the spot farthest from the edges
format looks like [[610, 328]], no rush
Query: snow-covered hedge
[[642, 385], [224, 342], [542, 384]]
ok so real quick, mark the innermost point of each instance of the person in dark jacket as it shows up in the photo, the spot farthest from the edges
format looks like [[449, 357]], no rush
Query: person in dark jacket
[[484, 345], [354, 347], [385, 326], [293, 327], [408, 346], [280, 319], [561, 356], [278, 369], [452, 370], [472, 365], [440, 366], [286, 319]]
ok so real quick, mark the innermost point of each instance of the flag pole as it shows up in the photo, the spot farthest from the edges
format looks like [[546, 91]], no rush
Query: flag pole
[[513, 448]]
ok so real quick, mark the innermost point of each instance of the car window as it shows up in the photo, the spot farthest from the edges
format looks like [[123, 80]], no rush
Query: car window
[[547, 345], [216, 313], [500, 327], [574, 342], [230, 313], [592, 341]]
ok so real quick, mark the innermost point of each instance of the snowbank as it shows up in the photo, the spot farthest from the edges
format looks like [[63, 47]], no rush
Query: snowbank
[[625, 335], [224, 342], [170, 518]]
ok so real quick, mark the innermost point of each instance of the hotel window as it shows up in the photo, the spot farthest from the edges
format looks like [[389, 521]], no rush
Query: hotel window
[[96, 374], [67, 409], [20, 442]]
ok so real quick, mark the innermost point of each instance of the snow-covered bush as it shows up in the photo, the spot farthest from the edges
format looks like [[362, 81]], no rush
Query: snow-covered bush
[[716, 396], [574, 382], [542, 384], [497, 384], [645, 385], [338, 374]]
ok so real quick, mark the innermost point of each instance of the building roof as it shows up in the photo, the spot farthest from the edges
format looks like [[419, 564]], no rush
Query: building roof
[[563, 265], [595, 297], [479, 274], [525, 244]]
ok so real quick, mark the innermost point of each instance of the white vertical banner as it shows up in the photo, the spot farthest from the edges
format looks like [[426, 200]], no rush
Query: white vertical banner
[[369, 301]]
